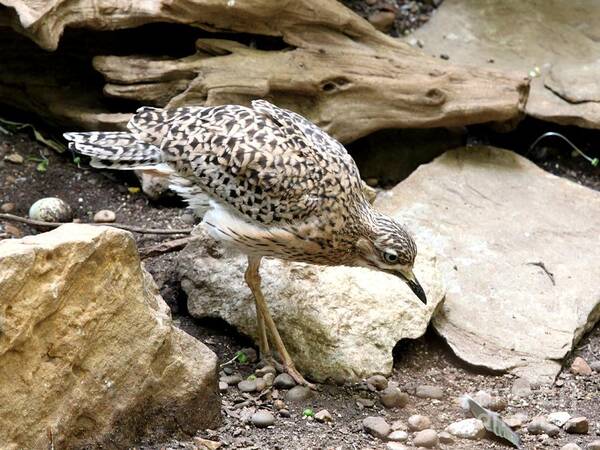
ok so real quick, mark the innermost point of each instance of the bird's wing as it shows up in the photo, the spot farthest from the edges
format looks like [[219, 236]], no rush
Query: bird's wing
[[267, 163]]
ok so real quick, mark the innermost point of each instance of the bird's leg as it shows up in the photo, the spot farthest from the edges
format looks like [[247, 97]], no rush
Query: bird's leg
[[253, 279], [249, 276]]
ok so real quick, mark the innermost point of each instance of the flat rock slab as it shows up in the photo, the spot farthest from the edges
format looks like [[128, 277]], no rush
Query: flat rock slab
[[561, 39], [518, 251], [89, 356], [338, 323]]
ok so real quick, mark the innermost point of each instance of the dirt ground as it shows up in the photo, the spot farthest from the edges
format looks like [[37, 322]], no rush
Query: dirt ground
[[427, 360]]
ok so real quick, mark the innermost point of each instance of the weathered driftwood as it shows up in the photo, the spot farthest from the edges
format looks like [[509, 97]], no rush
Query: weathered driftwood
[[338, 70]]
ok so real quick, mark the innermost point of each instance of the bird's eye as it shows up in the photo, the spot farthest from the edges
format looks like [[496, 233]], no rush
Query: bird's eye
[[390, 258]]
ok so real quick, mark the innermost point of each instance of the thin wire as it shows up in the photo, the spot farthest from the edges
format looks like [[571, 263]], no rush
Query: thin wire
[[593, 161]]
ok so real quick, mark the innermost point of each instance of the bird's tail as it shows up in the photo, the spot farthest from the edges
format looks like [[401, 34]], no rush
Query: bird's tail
[[115, 150]]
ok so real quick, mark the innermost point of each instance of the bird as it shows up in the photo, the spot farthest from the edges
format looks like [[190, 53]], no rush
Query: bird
[[278, 186]]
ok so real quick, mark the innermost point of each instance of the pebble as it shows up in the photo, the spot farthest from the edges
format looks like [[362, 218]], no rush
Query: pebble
[[595, 366], [377, 383], [247, 385], [223, 386], [279, 404], [571, 446], [323, 416], [267, 369], [581, 367], [14, 158], [365, 402], [51, 209], [188, 218], [232, 379], [298, 393], [540, 426], [269, 378], [228, 370], [263, 419], [376, 426], [284, 412], [399, 425], [398, 436], [515, 421], [7, 207], [104, 216], [207, 444], [261, 384], [426, 391], [382, 20], [483, 398], [559, 418], [392, 397], [467, 429], [521, 387], [426, 438], [417, 422], [594, 445], [445, 437], [395, 446], [284, 381], [577, 425]]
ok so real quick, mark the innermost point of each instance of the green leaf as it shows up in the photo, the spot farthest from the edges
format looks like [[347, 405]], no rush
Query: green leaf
[[251, 377], [10, 126], [241, 357], [42, 166], [308, 412]]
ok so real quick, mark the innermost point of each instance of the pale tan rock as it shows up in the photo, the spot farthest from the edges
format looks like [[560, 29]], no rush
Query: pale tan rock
[[581, 367], [88, 351], [338, 323], [493, 217]]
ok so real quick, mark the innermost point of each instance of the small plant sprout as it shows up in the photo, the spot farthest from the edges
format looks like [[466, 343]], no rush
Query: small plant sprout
[[308, 412], [593, 161], [241, 357], [42, 165], [251, 377]]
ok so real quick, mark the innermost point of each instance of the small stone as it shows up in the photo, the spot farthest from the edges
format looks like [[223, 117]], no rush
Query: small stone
[[498, 404], [262, 419], [426, 438], [559, 418], [188, 218], [577, 425], [444, 56], [426, 391], [269, 378], [571, 446], [206, 444], [250, 354], [232, 380], [399, 425], [382, 20], [13, 230], [392, 397], [51, 209], [417, 422], [395, 446], [279, 404], [595, 366], [467, 429], [540, 426], [594, 445], [323, 416], [223, 386], [228, 370], [483, 398], [284, 381], [261, 384], [14, 158], [377, 382], [445, 437], [376, 426], [265, 370], [365, 402], [7, 207], [104, 216], [284, 413], [298, 393], [515, 421], [521, 387], [398, 436], [247, 385], [581, 367]]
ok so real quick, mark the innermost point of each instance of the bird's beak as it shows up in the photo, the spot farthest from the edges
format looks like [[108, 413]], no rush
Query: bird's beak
[[410, 279]]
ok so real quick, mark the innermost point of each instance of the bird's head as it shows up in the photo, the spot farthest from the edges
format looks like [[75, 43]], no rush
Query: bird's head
[[388, 247]]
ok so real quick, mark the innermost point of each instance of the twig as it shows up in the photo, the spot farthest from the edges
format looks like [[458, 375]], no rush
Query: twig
[[593, 161], [166, 247], [543, 267], [39, 223]]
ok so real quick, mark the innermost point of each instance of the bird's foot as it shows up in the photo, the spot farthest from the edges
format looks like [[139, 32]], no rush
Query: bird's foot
[[297, 377]]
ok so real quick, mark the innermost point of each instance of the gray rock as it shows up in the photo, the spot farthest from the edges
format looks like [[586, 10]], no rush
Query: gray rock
[[262, 419], [365, 402], [541, 426], [467, 429], [51, 209], [247, 385], [425, 438], [445, 438], [377, 382], [417, 422], [395, 446], [265, 370], [501, 184], [392, 397], [284, 381], [483, 398], [521, 388], [323, 416], [595, 365], [427, 391], [232, 380], [398, 436], [284, 412], [577, 425], [321, 316], [376, 426], [515, 421], [223, 386], [260, 384], [105, 216], [571, 446], [594, 445], [559, 418], [269, 379], [298, 394]]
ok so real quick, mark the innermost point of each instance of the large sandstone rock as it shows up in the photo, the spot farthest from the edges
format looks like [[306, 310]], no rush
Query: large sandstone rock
[[561, 39], [89, 356], [518, 251], [338, 323]]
